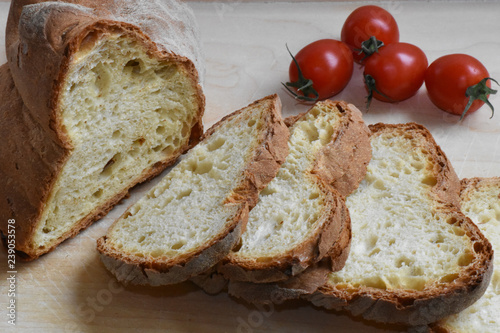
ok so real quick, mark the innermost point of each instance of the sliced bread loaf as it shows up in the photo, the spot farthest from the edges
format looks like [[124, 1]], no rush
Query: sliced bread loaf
[[109, 96], [193, 218], [415, 258], [480, 199], [300, 216]]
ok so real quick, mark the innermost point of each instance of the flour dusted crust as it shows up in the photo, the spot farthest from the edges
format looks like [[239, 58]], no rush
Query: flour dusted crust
[[338, 169], [412, 307], [260, 168], [42, 39]]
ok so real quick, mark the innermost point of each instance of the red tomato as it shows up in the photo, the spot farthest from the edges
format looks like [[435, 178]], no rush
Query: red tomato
[[365, 22], [396, 72], [448, 78], [327, 63]]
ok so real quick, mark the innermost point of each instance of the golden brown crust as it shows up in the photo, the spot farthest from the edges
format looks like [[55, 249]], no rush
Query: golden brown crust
[[343, 162], [44, 40], [410, 307], [133, 269], [295, 287], [340, 164]]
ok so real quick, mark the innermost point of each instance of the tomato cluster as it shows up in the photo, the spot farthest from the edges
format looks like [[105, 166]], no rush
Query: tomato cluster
[[393, 71]]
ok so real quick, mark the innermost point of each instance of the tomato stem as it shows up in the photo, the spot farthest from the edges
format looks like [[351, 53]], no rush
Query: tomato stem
[[481, 92], [372, 87], [302, 84], [369, 47]]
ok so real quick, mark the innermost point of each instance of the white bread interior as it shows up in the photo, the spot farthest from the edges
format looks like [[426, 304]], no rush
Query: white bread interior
[[396, 243], [123, 112]]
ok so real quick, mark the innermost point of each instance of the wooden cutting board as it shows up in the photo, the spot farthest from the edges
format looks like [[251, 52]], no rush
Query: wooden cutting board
[[69, 290]]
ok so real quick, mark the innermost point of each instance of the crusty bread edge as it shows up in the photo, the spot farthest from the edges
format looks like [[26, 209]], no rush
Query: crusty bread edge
[[271, 151], [428, 306]]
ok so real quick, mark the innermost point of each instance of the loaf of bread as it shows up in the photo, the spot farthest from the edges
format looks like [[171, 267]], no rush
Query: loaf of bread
[[300, 216], [415, 258], [106, 95], [195, 216], [480, 199]]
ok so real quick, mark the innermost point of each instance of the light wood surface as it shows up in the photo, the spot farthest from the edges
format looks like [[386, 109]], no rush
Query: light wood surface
[[69, 290]]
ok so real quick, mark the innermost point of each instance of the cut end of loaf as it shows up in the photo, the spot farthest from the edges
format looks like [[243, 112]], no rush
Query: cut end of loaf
[[127, 115], [204, 197]]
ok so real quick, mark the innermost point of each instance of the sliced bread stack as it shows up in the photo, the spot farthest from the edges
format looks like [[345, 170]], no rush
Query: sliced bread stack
[[98, 96], [300, 216], [195, 215], [480, 199], [415, 258]]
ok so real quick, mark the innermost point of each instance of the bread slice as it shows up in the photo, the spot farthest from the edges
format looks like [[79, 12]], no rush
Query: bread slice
[[300, 216], [195, 215], [106, 96], [480, 199], [415, 258]]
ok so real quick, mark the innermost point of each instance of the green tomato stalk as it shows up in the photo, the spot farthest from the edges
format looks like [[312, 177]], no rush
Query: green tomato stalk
[[481, 92], [302, 84]]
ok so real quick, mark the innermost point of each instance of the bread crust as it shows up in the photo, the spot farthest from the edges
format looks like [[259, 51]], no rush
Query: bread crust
[[340, 165], [410, 307], [295, 287], [261, 167], [41, 42]]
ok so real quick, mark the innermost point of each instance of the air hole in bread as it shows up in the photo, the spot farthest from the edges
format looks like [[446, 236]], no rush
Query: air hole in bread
[[141, 239], [465, 259], [452, 220], [98, 193], [102, 79], [252, 122], [458, 231], [178, 245], [116, 134], [160, 130], [168, 150], [111, 165], [418, 165], [132, 66], [46, 230], [429, 180], [449, 278], [216, 144], [403, 261], [379, 185], [313, 196], [185, 193], [478, 247], [157, 148], [203, 167]]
